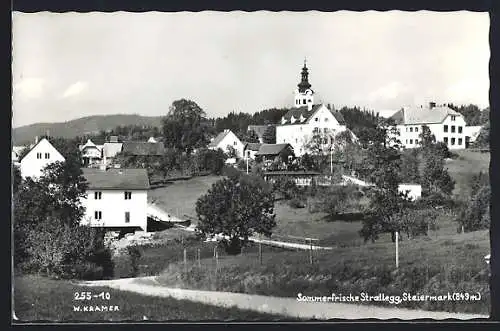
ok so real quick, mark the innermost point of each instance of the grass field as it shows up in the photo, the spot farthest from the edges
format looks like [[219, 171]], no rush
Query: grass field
[[462, 168], [42, 299], [426, 266], [179, 197]]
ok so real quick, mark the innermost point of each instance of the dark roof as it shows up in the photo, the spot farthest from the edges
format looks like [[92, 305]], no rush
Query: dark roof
[[219, 138], [272, 149], [143, 148], [292, 173], [306, 114], [116, 179], [253, 146]]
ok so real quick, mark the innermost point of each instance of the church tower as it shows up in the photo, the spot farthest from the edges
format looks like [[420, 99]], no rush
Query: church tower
[[304, 95]]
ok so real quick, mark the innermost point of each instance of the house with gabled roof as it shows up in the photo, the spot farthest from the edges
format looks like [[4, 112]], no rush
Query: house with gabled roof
[[274, 153], [307, 120], [91, 153], [116, 198], [225, 140], [40, 156], [446, 124], [250, 150]]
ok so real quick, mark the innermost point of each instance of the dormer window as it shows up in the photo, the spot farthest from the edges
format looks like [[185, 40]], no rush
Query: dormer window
[[292, 119], [283, 120], [302, 118], [453, 118], [316, 119]]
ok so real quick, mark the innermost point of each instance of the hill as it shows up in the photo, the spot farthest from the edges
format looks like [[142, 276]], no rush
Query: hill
[[81, 126]]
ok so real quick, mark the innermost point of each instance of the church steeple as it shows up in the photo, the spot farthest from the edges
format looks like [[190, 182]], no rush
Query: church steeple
[[304, 95], [304, 83]]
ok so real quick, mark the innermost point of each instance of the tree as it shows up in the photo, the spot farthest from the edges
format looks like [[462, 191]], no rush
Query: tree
[[248, 136], [236, 207], [16, 178], [476, 215], [183, 127], [211, 160], [410, 166], [269, 136]]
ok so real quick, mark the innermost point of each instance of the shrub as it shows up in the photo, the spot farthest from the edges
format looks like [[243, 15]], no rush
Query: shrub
[[476, 216], [126, 262]]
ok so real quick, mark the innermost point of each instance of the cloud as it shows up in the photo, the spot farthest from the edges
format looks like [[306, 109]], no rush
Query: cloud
[[75, 89], [30, 88], [388, 92]]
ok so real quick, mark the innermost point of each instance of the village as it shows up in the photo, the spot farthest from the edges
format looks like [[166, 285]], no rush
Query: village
[[162, 220]]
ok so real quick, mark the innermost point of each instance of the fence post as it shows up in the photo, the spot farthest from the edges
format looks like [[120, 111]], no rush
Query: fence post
[[260, 249], [397, 249], [199, 258], [185, 261], [310, 251]]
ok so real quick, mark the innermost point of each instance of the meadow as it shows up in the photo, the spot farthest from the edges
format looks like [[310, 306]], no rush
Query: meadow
[[46, 300], [464, 166]]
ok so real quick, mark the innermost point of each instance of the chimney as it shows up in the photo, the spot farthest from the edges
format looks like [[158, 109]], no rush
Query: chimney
[[432, 105]]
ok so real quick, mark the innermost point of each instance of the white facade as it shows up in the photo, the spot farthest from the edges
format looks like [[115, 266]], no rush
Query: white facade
[[450, 131], [298, 132], [226, 139], [305, 98], [41, 155], [110, 208]]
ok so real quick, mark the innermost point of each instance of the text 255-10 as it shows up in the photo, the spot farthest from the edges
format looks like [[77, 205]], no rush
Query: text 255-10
[[82, 296]]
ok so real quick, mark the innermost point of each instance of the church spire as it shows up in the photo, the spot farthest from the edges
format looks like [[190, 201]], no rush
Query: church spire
[[304, 83]]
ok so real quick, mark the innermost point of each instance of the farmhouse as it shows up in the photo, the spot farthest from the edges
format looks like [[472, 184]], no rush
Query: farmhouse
[[250, 150], [116, 198], [274, 153], [227, 139], [446, 125], [307, 120], [41, 155], [91, 153]]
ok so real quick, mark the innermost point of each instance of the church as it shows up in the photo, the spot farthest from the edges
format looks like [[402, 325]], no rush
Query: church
[[309, 124]]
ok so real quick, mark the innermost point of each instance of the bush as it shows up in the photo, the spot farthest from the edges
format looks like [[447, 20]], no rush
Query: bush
[[476, 216], [126, 262]]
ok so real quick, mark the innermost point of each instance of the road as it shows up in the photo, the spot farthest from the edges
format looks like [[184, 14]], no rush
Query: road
[[275, 305]]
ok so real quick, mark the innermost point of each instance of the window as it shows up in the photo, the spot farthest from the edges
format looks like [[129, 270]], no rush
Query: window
[[416, 141], [326, 119], [406, 129], [407, 141], [309, 100], [304, 101], [316, 119], [38, 155], [453, 141], [98, 215], [47, 155], [325, 141], [453, 118], [411, 141], [248, 153], [411, 129], [416, 129], [452, 128], [296, 140], [127, 217], [460, 141], [325, 130], [234, 143], [316, 130], [445, 139], [128, 195], [459, 130], [97, 195], [446, 128]]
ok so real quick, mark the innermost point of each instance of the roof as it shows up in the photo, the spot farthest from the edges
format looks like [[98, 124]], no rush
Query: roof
[[271, 149], [32, 147], [143, 148], [116, 179], [217, 140], [292, 173], [253, 146], [306, 115], [89, 144], [111, 149], [415, 115]]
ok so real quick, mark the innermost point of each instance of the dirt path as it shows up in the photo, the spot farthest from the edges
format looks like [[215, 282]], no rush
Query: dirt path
[[275, 305]]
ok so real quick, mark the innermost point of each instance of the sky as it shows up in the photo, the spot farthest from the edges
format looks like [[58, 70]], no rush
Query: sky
[[71, 65]]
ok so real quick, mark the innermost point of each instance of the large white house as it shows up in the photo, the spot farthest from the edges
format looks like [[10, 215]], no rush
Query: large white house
[[306, 120], [116, 198], [41, 154], [446, 125], [227, 139]]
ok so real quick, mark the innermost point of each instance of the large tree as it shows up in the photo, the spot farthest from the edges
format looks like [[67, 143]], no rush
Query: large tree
[[236, 207], [184, 126]]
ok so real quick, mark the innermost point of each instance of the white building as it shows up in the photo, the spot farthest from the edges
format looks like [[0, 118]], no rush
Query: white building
[[116, 198], [306, 120], [227, 139], [41, 155], [91, 153], [110, 149], [250, 150], [446, 125], [472, 132]]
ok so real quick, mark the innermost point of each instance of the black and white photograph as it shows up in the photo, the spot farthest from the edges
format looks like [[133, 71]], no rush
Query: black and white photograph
[[250, 166]]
